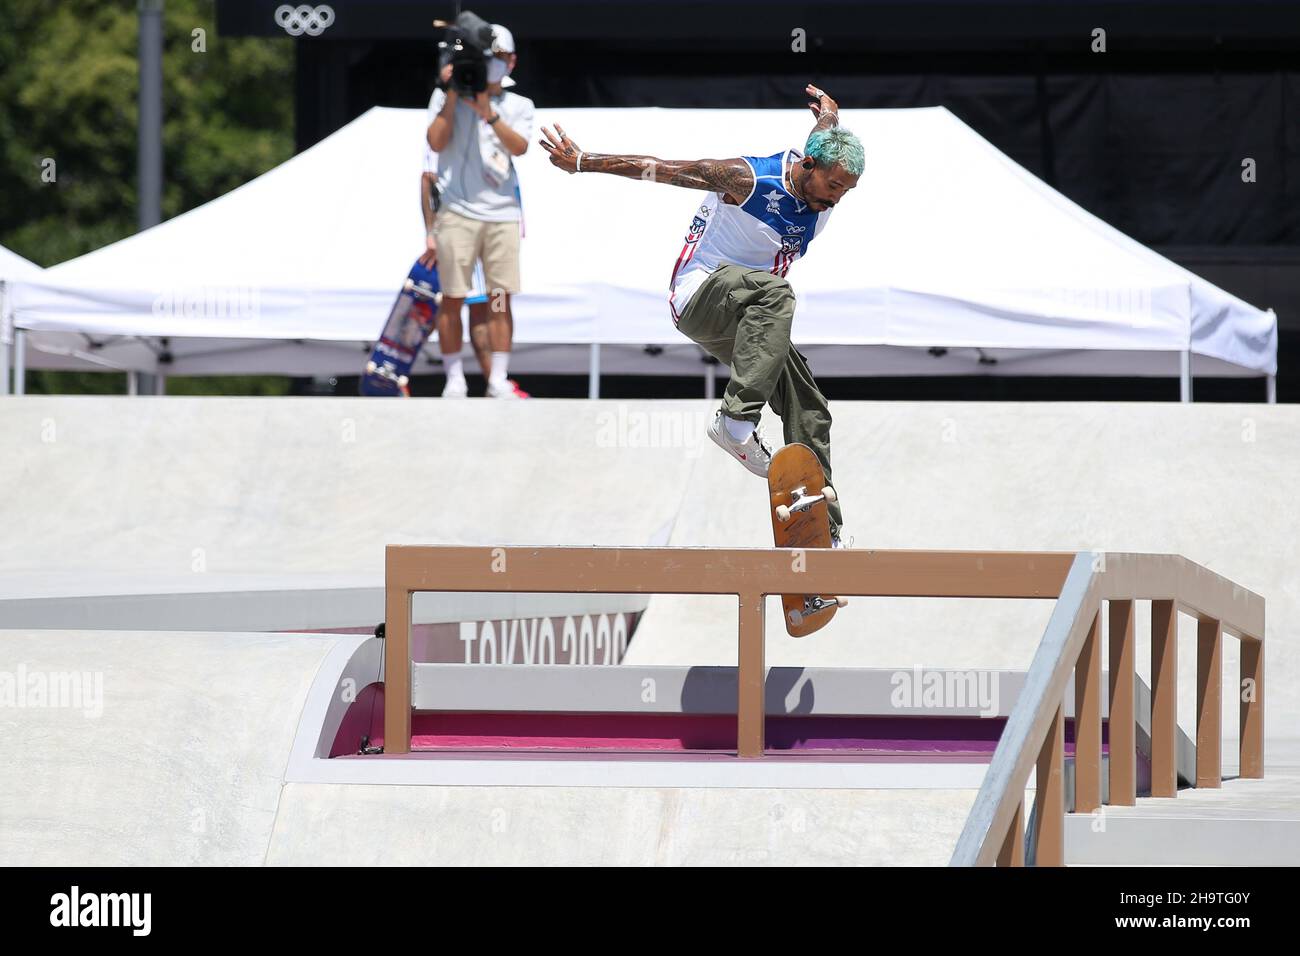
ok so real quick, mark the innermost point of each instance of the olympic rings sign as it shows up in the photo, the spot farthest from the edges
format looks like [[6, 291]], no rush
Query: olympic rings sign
[[312, 21]]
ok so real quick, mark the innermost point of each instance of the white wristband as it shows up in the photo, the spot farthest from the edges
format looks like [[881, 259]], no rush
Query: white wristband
[[579, 166]]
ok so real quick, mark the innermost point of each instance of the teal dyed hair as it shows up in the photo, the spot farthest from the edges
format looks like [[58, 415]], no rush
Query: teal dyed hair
[[836, 145]]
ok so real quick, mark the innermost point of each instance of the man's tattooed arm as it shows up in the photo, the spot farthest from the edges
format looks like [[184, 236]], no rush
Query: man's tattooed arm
[[732, 177], [824, 108], [826, 121]]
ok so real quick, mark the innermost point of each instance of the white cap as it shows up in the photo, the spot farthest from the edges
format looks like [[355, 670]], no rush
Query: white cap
[[503, 41]]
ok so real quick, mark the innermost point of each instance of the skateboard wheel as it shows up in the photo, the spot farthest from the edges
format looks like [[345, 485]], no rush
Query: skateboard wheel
[[796, 617], [842, 601], [408, 285], [370, 368], [829, 493], [402, 381], [783, 514]]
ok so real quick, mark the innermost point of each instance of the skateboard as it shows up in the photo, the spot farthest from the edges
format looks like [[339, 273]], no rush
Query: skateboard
[[409, 324], [797, 487]]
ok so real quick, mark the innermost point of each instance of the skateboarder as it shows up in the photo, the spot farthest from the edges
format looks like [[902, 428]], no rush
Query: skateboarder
[[729, 291]]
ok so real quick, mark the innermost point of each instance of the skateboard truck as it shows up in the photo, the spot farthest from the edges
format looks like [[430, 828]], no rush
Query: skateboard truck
[[409, 286], [383, 371], [802, 501], [814, 604]]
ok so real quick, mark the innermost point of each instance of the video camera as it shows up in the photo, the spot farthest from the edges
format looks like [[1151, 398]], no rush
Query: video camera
[[467, 46]]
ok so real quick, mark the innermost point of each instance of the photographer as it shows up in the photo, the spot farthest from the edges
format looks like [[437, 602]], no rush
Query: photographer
[[476, 128]]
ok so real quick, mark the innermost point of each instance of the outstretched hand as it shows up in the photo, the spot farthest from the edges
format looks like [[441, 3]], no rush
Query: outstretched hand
[[564, 151], [821, 103]]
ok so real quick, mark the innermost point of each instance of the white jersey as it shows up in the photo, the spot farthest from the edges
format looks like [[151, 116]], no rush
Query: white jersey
[[769, 230]]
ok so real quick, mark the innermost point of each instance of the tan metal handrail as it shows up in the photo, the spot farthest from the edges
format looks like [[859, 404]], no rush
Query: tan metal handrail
[[1034, 734], [750, 574]]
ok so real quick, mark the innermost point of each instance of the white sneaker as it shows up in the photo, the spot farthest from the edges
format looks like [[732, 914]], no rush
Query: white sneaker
[[754, 452], [455, 388], [505, 390]]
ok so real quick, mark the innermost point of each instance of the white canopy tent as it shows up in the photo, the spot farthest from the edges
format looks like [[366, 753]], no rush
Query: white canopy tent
[[12, 268], [50, 349], [947, 259]]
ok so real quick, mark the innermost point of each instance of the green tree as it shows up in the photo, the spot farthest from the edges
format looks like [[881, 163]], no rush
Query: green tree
[[68, 109], [68, 93]]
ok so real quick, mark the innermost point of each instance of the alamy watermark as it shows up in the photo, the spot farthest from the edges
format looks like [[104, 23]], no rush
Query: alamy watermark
[[946, 690], [63, 690], [632, 428], [75, 908], [209, 302]]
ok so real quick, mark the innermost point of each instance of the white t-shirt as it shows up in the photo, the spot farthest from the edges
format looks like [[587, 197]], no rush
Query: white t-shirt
[[476, 175]]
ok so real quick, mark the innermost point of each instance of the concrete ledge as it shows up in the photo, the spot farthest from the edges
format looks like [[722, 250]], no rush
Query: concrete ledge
[[1151, 838], [321, 824], [258, 602], [639, 771]]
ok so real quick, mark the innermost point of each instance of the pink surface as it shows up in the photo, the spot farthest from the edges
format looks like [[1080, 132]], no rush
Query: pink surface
[[903, 737]]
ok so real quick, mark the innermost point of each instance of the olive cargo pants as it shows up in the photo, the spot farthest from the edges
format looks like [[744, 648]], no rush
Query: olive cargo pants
[[742, 317]]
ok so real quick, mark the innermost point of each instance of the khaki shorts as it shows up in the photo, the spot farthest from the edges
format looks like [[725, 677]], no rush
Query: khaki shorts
[[463, 241]]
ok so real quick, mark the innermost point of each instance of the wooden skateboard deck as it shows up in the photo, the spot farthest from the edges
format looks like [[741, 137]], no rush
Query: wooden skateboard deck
[[795, 481]]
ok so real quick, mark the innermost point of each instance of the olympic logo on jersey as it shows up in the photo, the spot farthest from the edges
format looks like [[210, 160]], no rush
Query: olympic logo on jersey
[[312, 21]]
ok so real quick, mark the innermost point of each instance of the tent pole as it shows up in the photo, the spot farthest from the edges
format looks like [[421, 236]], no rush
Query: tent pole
[[133, 382], [20, 362], [1270, 388], [1185, 376], [6, 332], [160, 384], [149, 151], [593, 373]]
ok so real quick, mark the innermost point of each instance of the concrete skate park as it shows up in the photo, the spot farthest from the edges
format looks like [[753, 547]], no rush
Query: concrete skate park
[[211, 572]]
